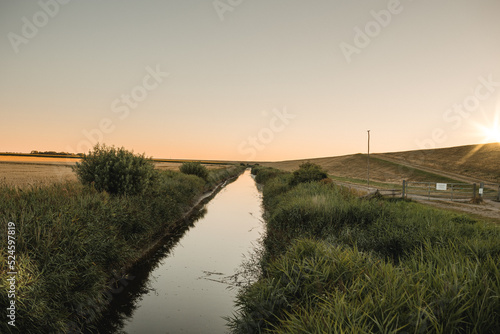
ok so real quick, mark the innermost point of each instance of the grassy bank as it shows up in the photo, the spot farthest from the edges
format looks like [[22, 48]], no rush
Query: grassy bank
[[335, 263], [70, 239], [415, 174]]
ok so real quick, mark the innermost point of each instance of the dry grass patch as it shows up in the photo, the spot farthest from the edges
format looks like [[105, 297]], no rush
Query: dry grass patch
[[27, 174]]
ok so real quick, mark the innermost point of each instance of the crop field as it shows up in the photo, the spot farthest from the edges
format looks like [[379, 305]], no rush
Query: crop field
[[26, 174], [23, 171]]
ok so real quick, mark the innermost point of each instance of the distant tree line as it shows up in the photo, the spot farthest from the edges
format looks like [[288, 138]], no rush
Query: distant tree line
[[54, 153]]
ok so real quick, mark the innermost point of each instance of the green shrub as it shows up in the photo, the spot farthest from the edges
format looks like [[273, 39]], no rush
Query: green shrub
[[263, 174], [216, 176], [308, 172], [195, 168], [116, 171]]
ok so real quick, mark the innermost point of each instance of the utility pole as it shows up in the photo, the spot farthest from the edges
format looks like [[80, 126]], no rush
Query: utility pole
[[368, 160]]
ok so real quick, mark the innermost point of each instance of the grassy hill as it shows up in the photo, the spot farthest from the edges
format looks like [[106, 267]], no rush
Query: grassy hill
[[476, 161], [454, 164]]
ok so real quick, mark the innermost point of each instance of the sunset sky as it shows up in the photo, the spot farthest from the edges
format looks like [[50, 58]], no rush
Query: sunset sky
[[248, 80]]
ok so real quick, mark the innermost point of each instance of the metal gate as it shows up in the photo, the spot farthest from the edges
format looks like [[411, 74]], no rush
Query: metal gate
[[450, 191], [490, 191]]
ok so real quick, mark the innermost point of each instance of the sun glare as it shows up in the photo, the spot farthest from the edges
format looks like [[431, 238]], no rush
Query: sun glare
[[491, 133]]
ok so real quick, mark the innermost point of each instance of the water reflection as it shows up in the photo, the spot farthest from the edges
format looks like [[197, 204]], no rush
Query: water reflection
[[123, 304], [183, 287]]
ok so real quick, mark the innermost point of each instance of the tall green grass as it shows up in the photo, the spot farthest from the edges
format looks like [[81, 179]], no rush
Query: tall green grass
[[71, 239], [335, 263]]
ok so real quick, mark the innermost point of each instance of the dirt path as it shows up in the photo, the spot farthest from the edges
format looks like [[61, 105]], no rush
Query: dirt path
[[489, 209]]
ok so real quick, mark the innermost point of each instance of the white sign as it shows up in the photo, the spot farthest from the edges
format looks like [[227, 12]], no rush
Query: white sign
[[441, 186], [480, 191]]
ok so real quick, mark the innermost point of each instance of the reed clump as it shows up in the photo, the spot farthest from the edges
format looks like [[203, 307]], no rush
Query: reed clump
[[194, 168]]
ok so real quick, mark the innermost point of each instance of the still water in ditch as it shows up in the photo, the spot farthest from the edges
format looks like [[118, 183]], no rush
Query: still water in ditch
[[185, 287]]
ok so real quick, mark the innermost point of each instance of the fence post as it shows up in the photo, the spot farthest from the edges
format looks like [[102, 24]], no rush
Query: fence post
[[451, 192], [474, 191], [481, 189], [404, 185]]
